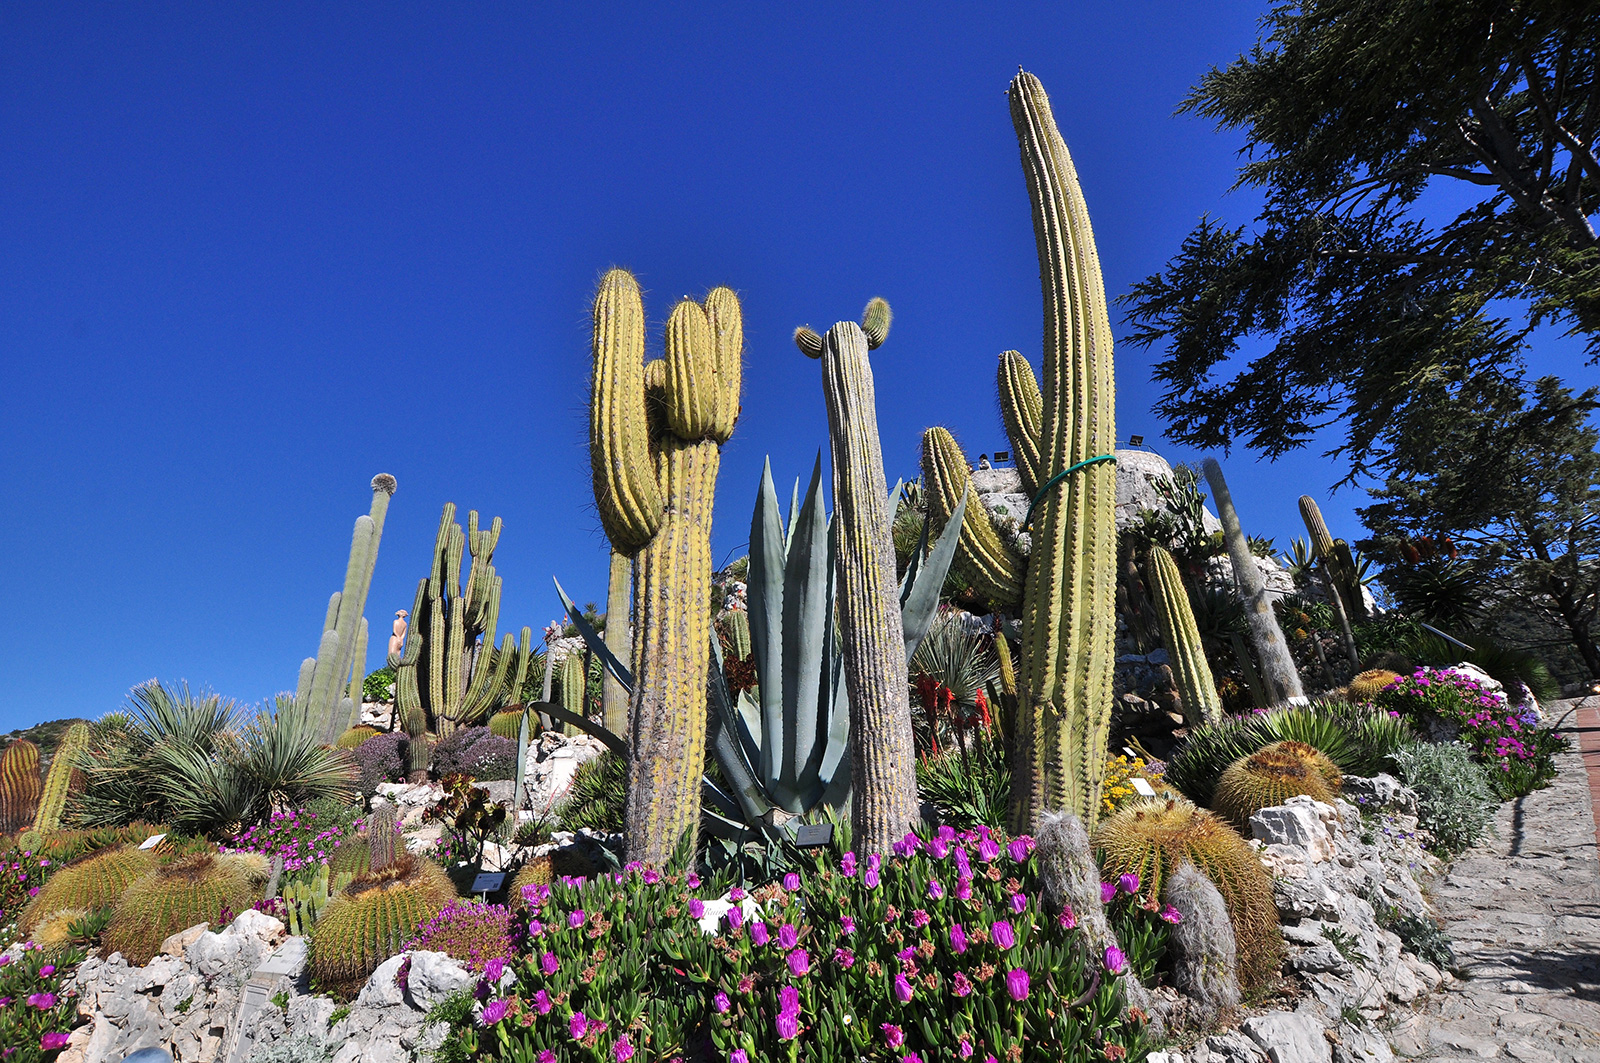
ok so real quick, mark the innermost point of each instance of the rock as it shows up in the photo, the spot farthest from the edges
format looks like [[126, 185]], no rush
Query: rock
[[1227, 1048], [179, 943], [383, 985], [1137, 472], [1300, 821], [434, 976], [1289, 1037], [1380, 791]]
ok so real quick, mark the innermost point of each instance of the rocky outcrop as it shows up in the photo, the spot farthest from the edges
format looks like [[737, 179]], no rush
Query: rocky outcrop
[[230, 996]]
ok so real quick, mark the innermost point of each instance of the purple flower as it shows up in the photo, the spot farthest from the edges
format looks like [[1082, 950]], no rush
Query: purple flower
[[893, 1036], [575, 919], [541, 1000], [988, 849], [692, 880], [735, 917], [847, 925], [535, 928], [787, 1025], [738, 1056], [905, 954], [946, 833], [799, 963], [1017, 983], [493, 1012], [938, 848], [721, 1002], [870, 879], [935, 891], [958, 938], [788, 936], [844, 958], [547, 1056], [1108, 890], [1067, 919], [697, 908], [1003, 936], [902, 989], [759, 933], [1019, 848], [47, 970], [578, 1025], [737, 894], [1019, 903], [622, 1051], [847, 864], [1116, 960], [1129, 883], [51, 1041], [791, 882], [1171, 915], [494, 969], [548, 963], [959, 985], [964, 1048], [42, 1001], [964, 888], [910, 1057], [789, 999], [919, 918]]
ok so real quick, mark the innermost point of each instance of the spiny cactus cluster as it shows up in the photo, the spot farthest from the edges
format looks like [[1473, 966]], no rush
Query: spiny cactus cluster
[[1366, 686], [655, 436], [189, 890], [370, 919], [1196, 690], [19, 786], [355, 736], [1272, 775]]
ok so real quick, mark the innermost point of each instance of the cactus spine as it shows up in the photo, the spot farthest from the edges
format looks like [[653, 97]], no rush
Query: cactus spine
[[1282, 677], [1178, 630], [64, 777], [408, 704], [883, 759], [655, 471], [381, 828], [613, 698], [1322, 550], [19, 786], [330, 680]]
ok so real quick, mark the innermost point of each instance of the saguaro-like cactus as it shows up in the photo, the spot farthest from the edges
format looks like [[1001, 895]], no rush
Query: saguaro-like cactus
[[1281, 675], [1182, 637], [655, 438], [60, 781], [329, 692], [883, 757], [1064, 438], [449, 670], [614, 699], [19, 785], [1327, 561]]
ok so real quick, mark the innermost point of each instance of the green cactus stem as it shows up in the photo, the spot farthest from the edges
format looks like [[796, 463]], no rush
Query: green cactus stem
[[1281, 677], [1182, 637], [64, 777], [1322, 550], [619, 588], [1022, 410], [883, 758], [573, 680], [19, 786], [982, 555], [655, 468]]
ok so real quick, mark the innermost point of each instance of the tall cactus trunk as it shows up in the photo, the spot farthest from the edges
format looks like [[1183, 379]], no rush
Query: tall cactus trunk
[[619, 591], [1282, 678], [1196, 688], [1069, 594], [1322, 553], [883, 762]]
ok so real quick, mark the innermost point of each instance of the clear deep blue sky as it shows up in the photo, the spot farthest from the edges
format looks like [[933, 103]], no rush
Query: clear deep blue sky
[[252, 255]]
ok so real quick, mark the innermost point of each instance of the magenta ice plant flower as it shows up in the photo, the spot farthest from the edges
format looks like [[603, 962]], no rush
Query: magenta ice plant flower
[[893, 1036], [1002, 934], [1116, 960], [788, 936], [791, 882], [578, 1025], [958, 938], [1108, 891], [494, 1011], [622, 1051], [759, 934], [1017, 983], [721, 1002], [799, 963], [903, 991], [1129, 882]]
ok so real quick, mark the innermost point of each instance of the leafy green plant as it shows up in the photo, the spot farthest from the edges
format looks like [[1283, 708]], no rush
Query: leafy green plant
[[1455, 803], [1347, 945], [36, 1005], [379, 685], [970, 787]]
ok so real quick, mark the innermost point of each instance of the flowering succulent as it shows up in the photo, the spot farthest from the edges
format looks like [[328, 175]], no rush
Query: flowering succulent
[[473, 932], [302, 838], [36, 1007]]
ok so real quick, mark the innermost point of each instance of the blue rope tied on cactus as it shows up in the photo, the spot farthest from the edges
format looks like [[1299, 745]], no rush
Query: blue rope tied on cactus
[[1062, 475]]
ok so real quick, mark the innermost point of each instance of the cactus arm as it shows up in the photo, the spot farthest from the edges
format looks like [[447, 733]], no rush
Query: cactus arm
[[1068, 614], [520, 791], [625, 488], [1282, 677], [726, 321], [59, 780], [769, 556], [883, 761], [1201, 705], [1022, 410], [441, 548], [524, 658], [437, 638], [613, 697], [919, 601], [983, 555], [1322, 552], [308, 672]]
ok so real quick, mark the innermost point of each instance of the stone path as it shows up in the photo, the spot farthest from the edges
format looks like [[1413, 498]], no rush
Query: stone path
[[1523, 910]]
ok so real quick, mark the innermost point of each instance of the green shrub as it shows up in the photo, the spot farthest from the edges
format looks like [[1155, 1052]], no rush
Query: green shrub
[[379, 685], [598, 796], [968, 790], [1455, 803]]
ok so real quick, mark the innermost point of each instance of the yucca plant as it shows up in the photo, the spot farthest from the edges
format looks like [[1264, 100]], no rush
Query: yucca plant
[[950, 671]]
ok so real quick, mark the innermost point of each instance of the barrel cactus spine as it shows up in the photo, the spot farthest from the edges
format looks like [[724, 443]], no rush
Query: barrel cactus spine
[[654, 459], [19, 786], [883, 757], [64, 777], [1196, 688]]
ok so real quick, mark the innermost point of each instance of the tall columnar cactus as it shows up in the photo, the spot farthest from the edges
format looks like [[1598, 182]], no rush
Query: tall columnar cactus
[[1064, 438], [655, 436], [883, 758], [1322, 550], [329, 691], [64, 777], [614, 699], [1182, 637], [1281, 675], [449, 669], [19, 786], [573, 680]]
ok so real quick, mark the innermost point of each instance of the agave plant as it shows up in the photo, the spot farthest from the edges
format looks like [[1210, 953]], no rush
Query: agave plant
[[784, 753]]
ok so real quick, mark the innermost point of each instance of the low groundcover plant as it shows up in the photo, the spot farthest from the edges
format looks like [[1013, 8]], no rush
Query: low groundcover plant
[[942, 951]]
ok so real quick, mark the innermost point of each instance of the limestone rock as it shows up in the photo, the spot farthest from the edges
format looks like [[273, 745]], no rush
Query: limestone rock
[[1289, 1037]]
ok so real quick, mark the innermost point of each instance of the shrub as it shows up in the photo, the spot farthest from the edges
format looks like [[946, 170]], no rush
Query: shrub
[[1150, 838], [36, 1006], [93, 881], [471, 931], [598, 796], [190, 890], [1117, 785], [1358, 739], [379, 685], [939, 951], [477, 752], [381, 759], [1455, 803], [1270, 776], [366, 923], [971, 788], [303, 838]]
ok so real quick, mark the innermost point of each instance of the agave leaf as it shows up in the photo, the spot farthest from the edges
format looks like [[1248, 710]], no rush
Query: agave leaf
[[726, 747], [592, 639], [789, 764], [766, 579]]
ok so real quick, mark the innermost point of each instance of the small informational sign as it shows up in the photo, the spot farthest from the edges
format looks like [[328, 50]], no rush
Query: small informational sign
[[813, 835], [1142, 787], [1002, 455], [488, 882], [152, 841]]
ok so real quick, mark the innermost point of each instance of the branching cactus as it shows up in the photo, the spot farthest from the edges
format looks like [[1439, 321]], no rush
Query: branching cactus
[[64, 777], [19, 786], [1196, 688], [1281, 675], [329, 692], [655, 438], [1064, 437], [883, 771]]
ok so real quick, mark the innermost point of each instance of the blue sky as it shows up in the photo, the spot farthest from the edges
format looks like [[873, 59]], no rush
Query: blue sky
[[252, 255]]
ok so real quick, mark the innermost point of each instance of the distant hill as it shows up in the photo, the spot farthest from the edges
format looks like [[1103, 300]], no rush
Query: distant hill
[[44, 735]]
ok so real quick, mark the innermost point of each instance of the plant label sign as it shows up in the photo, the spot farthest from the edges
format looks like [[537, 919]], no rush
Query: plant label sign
[[488, 882], [1142, 787], [152, 841], [813, 835]]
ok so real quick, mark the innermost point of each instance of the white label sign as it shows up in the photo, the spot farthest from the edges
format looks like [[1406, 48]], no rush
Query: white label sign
[[1141, 787], [152, 841]]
